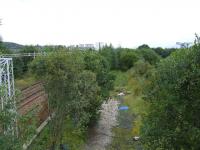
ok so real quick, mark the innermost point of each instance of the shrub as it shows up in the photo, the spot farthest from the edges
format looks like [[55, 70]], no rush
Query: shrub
[[174, 95]]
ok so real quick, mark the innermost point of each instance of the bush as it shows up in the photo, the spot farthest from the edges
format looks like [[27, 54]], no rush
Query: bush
[[127, 58], [164, 52], [141, 69], [100, 66], [174, 95], [111, 56], [76, 84], [149, 56]]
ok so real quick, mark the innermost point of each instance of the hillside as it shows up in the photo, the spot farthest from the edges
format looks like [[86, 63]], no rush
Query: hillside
[[13, 46]]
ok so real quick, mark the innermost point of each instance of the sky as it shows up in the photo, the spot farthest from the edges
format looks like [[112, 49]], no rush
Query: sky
[[126, 23]]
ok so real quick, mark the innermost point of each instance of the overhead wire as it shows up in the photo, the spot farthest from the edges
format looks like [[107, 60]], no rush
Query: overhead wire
[[40, 54]]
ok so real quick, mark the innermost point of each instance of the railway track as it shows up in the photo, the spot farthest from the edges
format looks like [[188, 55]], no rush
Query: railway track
[[34, 98]]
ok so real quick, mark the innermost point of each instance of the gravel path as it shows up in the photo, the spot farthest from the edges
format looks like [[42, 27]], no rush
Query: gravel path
[[101, 134]]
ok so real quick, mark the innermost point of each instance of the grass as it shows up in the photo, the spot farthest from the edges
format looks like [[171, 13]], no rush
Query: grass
[[121, 79], [120, 82], [138, 107], [42, 141], [72, 137], [24, 82], [122, 136]]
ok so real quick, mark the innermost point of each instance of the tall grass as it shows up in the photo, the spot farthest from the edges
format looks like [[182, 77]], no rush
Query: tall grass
[[25, 82], [133, 86]]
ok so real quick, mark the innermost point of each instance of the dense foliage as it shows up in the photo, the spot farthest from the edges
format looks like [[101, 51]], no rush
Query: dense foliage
[[173, 120], [164, 52], [149, 56], [76, 83], [3, 49], [21, 63], [99, 65], [127, 58], [111, 55], [15, 130], [79, 81]]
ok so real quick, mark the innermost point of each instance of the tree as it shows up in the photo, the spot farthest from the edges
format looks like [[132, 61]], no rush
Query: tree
[[1, 44], [3, 49], [0, 41], [142, 69], [174, 95], [149, 56], [59, 72], [18, 67], [13, 134], [87, 101], [73, 88], [143, 46], [27, 60], [7, 139], [127, 58], [164, 52], [111, 55], [101, 67]]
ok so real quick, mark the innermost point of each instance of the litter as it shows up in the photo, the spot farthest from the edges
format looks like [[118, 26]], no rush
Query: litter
[[121, 94], [123, 108]]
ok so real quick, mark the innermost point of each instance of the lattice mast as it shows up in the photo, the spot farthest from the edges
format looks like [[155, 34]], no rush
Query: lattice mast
[[7, 94]]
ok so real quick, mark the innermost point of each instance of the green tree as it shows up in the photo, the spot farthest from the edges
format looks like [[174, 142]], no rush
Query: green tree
[[127, 58], [8, 141], [101, 67], [143, 46], [3, 49], [27, 60], [173, 121], [87, 100], [59, 72], [72, 91], [142, 69], [111, 55], [13, 134], [149, 55], [164, 52], [18, 67]]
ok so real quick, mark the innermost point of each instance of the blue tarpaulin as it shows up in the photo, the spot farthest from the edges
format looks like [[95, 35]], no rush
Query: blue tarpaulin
[[63, 147], [123, 108]]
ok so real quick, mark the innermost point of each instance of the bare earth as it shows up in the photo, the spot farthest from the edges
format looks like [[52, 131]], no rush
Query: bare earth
[[101, 134]]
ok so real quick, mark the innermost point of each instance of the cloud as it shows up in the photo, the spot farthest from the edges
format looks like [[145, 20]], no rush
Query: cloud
[[125, 22]]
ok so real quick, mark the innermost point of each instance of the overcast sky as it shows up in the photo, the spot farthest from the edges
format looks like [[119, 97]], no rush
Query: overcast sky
[[128, 23]]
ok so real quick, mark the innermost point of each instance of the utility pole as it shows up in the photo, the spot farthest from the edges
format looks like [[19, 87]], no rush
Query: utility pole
[[7, 88], [183, 44]]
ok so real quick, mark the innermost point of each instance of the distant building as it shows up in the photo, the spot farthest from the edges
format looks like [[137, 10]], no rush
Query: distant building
[[86, 46], [99, 45], [95, 46]]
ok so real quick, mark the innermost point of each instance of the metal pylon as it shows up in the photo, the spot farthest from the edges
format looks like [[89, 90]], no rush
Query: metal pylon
[[7, 90]]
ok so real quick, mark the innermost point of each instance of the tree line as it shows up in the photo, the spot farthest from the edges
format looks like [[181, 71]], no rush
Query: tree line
[[173, 94], [79, 81]]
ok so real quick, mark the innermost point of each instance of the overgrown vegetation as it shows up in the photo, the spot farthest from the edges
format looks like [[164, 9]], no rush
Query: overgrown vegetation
[[76, 83], [164, 100], [132, 83], [173, 94], [161, 89], [15, 130]]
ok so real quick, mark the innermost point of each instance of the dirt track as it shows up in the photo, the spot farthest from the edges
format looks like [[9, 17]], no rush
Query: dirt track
[[101, 134]]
